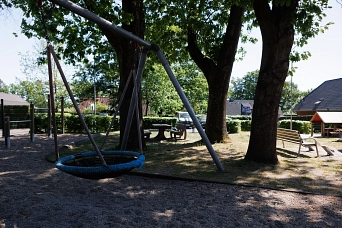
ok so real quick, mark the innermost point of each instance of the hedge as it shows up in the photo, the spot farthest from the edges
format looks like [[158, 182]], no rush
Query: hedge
[[97, 124], [302, 126], [233, 126]]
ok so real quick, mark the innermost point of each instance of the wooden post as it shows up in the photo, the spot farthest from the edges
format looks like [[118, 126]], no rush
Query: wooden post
[[49, 116], [3, 117], [7, 132], [32, 122], [62, 114]]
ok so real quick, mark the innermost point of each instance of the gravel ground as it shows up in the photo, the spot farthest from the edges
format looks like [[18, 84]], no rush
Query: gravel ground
[[35, 194]]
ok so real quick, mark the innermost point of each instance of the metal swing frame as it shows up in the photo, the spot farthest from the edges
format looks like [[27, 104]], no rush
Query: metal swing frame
[[147, 47], [71, 164]]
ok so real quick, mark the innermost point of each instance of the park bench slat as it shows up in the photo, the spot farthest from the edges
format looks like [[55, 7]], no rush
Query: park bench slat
[[293, 136]]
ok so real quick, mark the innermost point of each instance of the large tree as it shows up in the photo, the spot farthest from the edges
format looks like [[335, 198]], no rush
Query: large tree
[[218, 72], [278, 21], [210, 32], [83, 40]]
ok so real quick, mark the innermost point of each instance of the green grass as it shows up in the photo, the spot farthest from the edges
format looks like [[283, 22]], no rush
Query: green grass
[[191, 159]]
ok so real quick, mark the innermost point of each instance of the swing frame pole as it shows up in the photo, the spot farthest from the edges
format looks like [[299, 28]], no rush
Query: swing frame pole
[[112, 27]]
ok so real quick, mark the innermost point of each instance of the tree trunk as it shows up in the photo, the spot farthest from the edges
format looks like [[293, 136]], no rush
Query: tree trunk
[[277, 35], [218, 73], [128, 58]]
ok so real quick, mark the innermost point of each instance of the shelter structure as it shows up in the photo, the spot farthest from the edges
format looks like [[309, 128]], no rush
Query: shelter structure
[[331, 123]]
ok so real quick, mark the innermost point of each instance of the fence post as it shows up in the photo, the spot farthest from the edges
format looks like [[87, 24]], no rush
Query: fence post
[[62, 114], [32, 122], [7, 132], [49, 116], [3, 117]]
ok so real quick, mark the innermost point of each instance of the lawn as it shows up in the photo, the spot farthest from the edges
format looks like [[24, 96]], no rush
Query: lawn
[[190, 159]]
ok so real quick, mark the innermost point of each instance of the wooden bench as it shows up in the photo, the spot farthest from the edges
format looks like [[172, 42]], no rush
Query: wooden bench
[[178, 132], [294, 137], [147, 134]]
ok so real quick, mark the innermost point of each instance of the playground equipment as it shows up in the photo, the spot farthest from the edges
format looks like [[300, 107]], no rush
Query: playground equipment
[[6, 124], [101, 166]]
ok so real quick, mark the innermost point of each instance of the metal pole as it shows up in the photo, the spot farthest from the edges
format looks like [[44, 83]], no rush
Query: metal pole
[[112, 27], [188, 107], [100, 21], [134, 102], [103, 162], [94, 94]]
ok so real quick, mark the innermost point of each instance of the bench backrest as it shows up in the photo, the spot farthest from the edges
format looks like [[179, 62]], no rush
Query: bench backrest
[[181, 127], [288, 135]]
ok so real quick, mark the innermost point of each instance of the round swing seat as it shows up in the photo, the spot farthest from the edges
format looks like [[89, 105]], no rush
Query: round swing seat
[[88, 164]]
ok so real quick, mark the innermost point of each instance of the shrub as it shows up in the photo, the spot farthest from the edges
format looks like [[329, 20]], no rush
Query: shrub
[[302, 126], [233, 126], [246, 125]]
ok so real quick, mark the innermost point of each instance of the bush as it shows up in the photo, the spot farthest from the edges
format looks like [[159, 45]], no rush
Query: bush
[[233, 126], [246, 125], [240, 117], [302, 126]]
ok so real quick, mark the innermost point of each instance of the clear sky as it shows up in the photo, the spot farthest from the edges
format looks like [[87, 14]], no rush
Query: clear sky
[[324, 64]]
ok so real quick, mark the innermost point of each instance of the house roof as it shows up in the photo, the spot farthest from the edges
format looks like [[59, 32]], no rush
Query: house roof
[[234, 107], [327, 117], [12, 99], [326, 97]]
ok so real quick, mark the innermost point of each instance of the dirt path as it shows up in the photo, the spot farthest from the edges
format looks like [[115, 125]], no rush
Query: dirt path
[[35, 194]]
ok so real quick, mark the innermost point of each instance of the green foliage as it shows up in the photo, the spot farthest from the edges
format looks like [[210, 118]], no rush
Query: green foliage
[[96, 124], [244, 89], [302, 126], [161, 96], [100, 107], [3, 87], [31, 90], [240, 117], [302, 118], [246, 125], [233, 126], [290, 96], [73, 124], [158, 92]]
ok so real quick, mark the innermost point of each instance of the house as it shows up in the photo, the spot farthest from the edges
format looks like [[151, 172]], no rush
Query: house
[[242, 107], [239, 107], [89, 102], [12, 99], [325, 98]]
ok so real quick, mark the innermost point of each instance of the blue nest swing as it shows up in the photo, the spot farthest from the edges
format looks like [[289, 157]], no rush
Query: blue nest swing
[[88, 165]]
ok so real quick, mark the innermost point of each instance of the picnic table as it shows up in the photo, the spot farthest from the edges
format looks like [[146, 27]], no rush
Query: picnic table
[[161, 129]]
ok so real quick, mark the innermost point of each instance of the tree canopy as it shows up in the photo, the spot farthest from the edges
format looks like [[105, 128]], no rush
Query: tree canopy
[[244, 89]]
